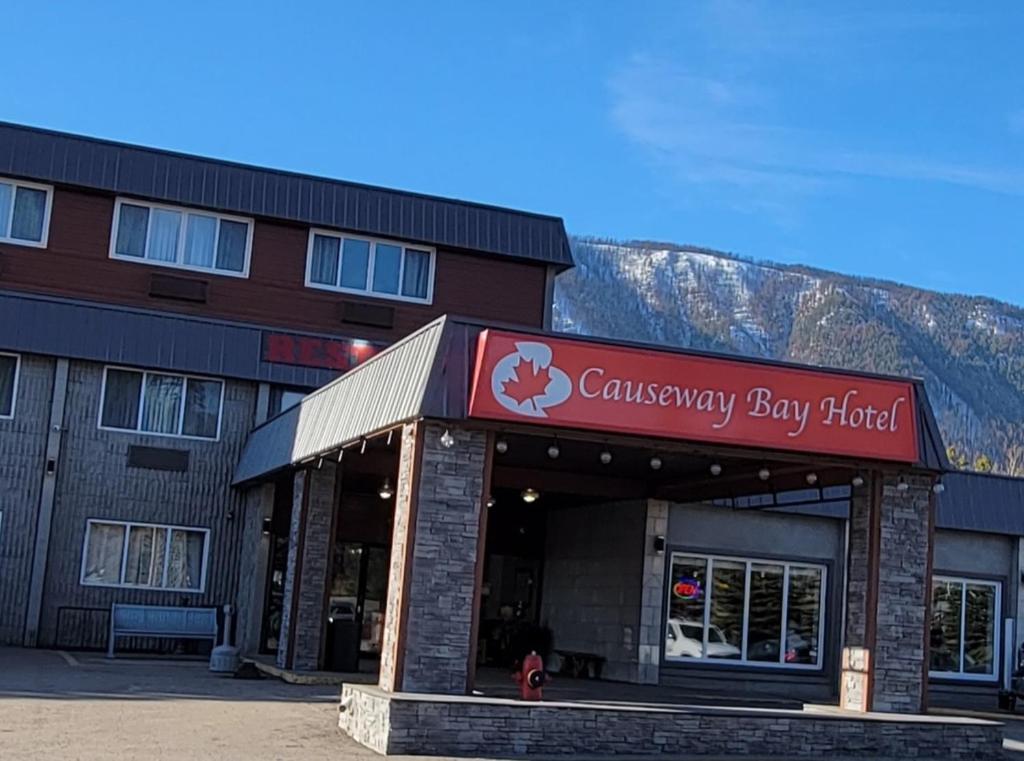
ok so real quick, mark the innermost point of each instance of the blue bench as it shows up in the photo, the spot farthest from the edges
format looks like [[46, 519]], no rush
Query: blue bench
[[160, 621]]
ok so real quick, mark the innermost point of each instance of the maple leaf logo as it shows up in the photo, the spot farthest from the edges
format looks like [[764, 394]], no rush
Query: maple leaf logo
[[528, 381]]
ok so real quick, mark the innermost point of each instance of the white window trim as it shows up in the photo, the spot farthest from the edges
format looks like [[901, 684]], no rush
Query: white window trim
[[179, 263], [124, 553], [961, 676], [368, 291], [17, 379], [142, 396], [742, 661], [47, 209]]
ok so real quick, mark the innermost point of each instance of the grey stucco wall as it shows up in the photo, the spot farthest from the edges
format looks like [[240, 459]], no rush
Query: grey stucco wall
[[22, 461], [94, 481], [772, 535], [592, 583]]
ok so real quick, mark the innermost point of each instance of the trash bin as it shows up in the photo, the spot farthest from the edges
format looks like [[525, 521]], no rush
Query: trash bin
[[343, 645]]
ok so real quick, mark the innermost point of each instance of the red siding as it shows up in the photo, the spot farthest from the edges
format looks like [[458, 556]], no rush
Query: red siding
[[77, 264]]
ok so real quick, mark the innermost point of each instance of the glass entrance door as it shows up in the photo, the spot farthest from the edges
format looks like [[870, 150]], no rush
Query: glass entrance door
[[359, 593]]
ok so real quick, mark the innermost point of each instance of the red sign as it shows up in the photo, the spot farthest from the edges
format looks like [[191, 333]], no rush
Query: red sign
[[687, 589], [310, 351], [577, 384]]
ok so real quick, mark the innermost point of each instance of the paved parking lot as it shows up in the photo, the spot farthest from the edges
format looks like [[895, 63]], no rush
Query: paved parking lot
[[85, 707], [71, 706]]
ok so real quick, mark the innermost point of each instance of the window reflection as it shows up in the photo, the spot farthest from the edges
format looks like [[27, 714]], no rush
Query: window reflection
[[963, 627], [764, 626], [684, 637], [725, 631]]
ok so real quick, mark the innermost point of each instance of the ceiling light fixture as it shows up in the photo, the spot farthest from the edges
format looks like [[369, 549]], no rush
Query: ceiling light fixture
[[857, 481], [605, 457], [656, 463], [716, 469], [501, 446], [529, 495], [812, 479], [764, 474], [386, 492], [554, 451]]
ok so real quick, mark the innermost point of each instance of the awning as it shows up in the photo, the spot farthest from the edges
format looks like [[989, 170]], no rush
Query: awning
[[429, 374]]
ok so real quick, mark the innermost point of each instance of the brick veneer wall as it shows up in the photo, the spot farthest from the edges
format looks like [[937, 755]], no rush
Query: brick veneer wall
[[903, 560], [435, 592], [472, 727], [316, 554]]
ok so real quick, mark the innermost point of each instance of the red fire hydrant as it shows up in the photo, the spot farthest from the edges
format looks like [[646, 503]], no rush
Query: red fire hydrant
[[531, 677]]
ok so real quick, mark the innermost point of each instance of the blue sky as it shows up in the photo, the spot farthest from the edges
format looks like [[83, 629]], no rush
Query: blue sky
[[879, 139]]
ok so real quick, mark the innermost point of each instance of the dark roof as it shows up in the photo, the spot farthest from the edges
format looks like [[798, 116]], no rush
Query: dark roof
[[427, 375], [981, 502], [58, 157]]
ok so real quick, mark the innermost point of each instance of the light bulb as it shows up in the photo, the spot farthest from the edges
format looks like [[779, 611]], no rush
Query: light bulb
[[764, 474], [605, 457], [386, 492], [939, 487], [902, 485], [554, 451], [501, 445], [716, 469], [491, 501], [529, 495], [447, 440], [812, 478], [655, 463], [857, 481]]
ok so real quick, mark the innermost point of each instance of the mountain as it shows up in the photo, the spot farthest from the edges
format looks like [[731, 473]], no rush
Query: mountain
[[968, 349]]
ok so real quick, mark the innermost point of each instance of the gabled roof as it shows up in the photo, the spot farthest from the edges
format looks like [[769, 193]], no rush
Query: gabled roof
[[427, 375], [159, 175]]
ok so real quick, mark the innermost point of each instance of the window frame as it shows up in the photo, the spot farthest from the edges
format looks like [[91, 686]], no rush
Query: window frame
[[179, 263], [997, 625], [17, 380], [142, 397], [748, 561], [47, 211], [368, 291], [128, 525]]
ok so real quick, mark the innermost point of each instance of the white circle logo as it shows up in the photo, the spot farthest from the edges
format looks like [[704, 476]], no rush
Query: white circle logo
[[525, 381]]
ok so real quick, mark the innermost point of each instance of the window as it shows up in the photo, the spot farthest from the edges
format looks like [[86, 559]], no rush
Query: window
[[9, 366], [119, 554], [282, 399], [747, 611], [161, 404], [175, 237], [24, 212], [964, 628], [374, 267]]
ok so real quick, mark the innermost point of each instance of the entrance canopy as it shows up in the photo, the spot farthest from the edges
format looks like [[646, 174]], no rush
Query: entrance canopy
[[461, 370]]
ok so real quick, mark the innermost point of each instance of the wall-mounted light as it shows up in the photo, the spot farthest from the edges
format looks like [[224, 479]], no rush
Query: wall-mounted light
[[659, 544], [902, 484], [501, 446], [857, 481], [938, 487], [529, 495], [447, 440], [715, 469], [386, 492], [491, 501], [605, 457], [267, 524], [764, 474], [656, 463], [812, 479]]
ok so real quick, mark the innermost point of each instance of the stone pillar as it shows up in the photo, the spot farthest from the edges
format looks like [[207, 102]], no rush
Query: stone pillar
[[309, 552], [652, 599], [888, 583], [434, 554], [258, 505]]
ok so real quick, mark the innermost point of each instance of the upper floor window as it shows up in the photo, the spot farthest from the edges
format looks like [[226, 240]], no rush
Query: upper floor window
[[371, 267], [170, 236], [9, 364], [24, 212], [161, 404]]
